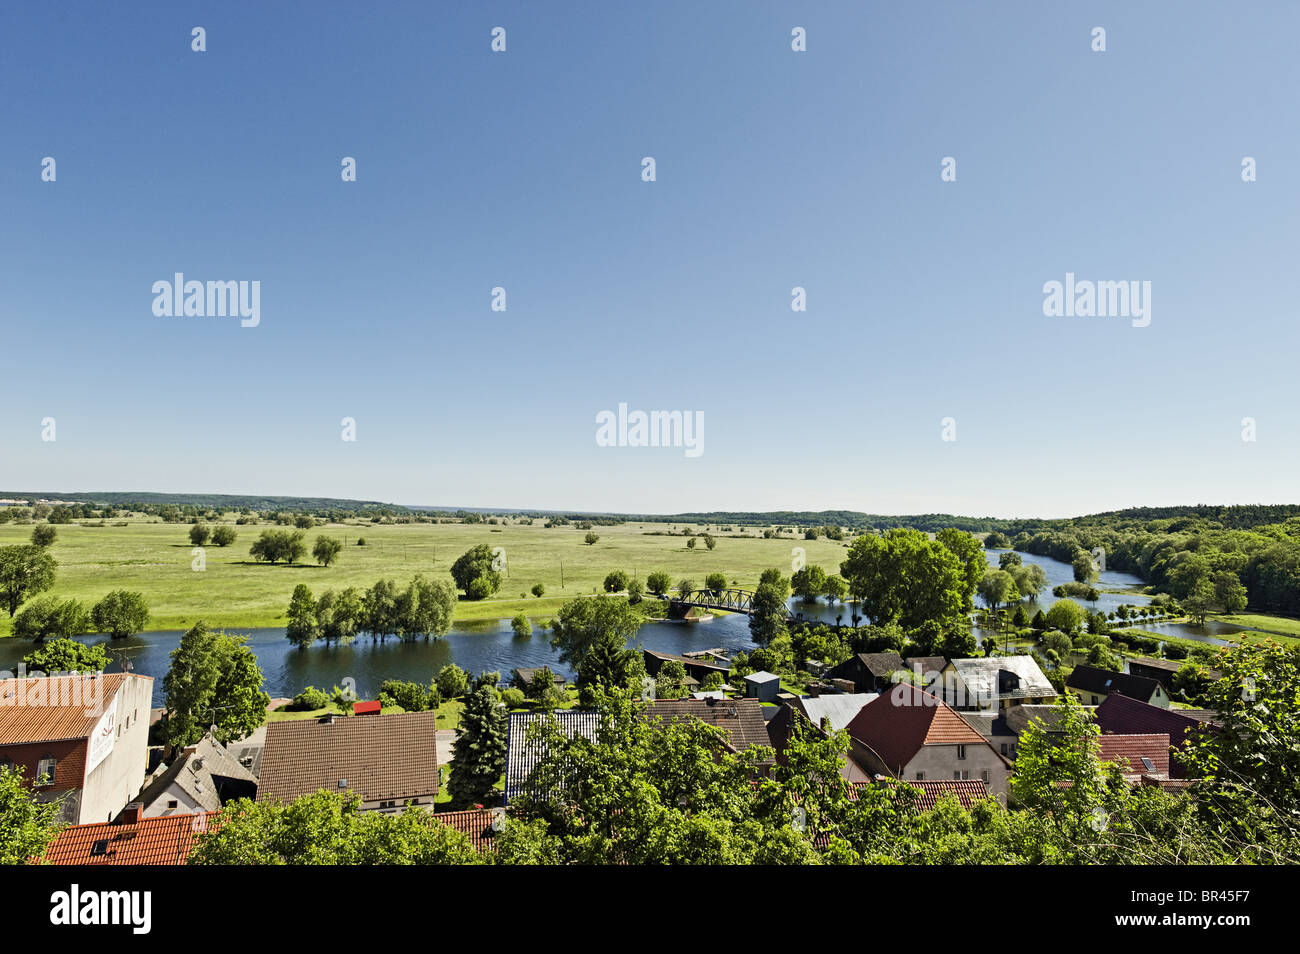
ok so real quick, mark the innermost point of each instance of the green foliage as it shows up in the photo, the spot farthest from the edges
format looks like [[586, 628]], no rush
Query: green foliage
[[25, 571], [902, 576], [715, 582], [213, 680], [276, 545], [309, 700], [1065, 615], [808, 583], [51, 618], [66, 655], [474, 572], [453, 682], [658, 583], [520, 624], [582, 622], [44, 535], [120, 613], [411, 696], [617, 581], [479, 752], [539, 590], [199, 534], [590, 538], [327, 828], [223, 536], [326, 550], [27, 823]]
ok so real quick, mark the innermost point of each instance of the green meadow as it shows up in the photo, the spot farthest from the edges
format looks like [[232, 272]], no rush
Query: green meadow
[[233, 590]]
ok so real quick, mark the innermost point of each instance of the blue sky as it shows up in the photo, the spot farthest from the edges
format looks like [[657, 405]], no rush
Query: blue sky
[[775, 169]]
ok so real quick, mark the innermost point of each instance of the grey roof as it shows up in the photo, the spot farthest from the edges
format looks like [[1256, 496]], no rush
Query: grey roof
[[523, 752], [1019, 717], [980, 676], [840, 708], [991, 725], [207, 772], [762, 676]]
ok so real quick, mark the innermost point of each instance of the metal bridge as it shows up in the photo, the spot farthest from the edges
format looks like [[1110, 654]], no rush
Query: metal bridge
[[737, 601]]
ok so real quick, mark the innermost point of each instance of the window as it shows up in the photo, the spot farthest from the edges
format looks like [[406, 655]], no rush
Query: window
[[1148, 764], [920, 776], [961, 751], [956, 776], [985, 775], [172, 803], [1004, 748], [100, 847], [45, 771]]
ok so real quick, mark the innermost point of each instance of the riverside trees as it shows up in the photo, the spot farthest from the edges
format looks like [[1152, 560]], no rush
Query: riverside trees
[[424, 608]]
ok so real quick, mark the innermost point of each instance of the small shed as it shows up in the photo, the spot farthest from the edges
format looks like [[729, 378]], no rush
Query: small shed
[[762, 686]]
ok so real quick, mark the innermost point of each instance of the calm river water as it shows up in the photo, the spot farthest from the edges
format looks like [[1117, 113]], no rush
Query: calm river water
[[491, 645]]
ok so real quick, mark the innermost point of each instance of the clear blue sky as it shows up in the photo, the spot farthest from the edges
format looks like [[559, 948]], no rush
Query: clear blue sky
[[775, 169]]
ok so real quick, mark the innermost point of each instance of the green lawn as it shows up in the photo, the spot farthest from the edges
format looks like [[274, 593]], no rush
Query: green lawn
[[236, 592], [1278, 625]]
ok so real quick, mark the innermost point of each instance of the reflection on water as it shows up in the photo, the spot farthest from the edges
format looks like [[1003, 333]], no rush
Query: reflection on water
[[491, 645]]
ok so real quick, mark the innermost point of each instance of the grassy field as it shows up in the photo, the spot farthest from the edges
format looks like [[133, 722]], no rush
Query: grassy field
[[234, 591]]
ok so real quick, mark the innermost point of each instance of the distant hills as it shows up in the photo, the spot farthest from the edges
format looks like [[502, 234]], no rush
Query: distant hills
[[1228, 516]]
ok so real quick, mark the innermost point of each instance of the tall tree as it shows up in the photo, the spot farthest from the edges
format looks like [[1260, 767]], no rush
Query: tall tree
[[120, 613], [213, 680], [970, 552], [25, 571], [583, 621], [66, 655], [902, 576], [479, 752]]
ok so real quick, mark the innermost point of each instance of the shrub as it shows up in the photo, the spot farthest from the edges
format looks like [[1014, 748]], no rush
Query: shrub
[[521, 625], [513, 698], [309, 700], [539, 590]]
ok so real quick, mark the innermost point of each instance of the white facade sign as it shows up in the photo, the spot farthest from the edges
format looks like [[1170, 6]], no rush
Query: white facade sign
[[102, 738]]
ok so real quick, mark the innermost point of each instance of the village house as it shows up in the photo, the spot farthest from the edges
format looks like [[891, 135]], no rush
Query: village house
[[1162, 670], [993, 682], [522, 678], [741, 718], [389, 761], [911, 735], [868, 672], [202, 777], [698, 668], [762, 686], [80, 738], [1138, 756], [1092, 685], [524, 748], [1122, 715]]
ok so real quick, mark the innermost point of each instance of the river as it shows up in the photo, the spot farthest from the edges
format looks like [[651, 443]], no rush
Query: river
[[491, 645]]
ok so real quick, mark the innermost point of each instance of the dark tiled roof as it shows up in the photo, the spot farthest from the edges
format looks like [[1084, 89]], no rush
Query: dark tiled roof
[[742, 718], [151, 841], [378, 757], [925, 663], [476, 823], [1104, 682], [881, 664]]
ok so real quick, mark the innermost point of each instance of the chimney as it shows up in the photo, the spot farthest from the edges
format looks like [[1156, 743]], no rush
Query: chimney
[[130, 815]]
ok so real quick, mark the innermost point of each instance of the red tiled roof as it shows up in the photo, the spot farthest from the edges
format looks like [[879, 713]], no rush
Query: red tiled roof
[[366, 708], [1120, 715], [897, 724], [1127, 751], [54, 708], [151, 841], [476, 823], [968, 791]]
